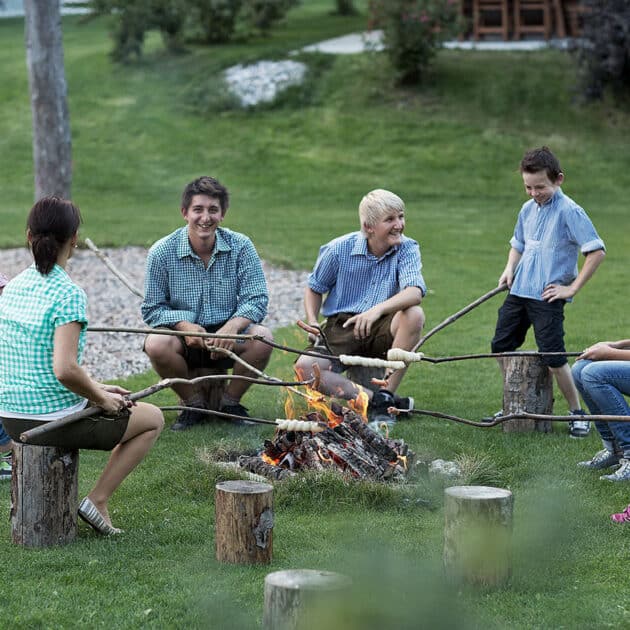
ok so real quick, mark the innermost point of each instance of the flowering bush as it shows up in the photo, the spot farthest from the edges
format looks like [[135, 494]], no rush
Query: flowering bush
[[413, 30]]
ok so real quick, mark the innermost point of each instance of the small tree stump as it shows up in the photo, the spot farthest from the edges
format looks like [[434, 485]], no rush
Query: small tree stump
[[477, 534], [363, 375], [44, 495], [291, 597], [527, 386], [209, 391], [244, 522]]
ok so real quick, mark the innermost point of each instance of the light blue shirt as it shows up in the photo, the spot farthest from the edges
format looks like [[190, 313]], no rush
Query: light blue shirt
[[356, 280], [550, 238], [178, 286]]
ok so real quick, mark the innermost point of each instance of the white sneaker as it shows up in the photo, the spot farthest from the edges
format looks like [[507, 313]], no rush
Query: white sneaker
[[621, 474]]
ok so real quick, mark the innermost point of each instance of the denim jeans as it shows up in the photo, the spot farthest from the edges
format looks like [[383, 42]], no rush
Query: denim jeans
[[4, 438], [603, 385]]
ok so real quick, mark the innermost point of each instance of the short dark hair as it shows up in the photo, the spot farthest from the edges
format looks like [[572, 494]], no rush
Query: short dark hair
[[51, 223], [206, 186], [541, 159]]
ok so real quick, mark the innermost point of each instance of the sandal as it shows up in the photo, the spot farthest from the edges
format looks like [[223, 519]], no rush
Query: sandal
[[621, 517]]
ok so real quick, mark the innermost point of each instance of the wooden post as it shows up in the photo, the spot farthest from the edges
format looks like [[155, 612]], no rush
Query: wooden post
[[44, 495], [209, 391], [477, 534], [244, 522], [292, 596], [527, 386]]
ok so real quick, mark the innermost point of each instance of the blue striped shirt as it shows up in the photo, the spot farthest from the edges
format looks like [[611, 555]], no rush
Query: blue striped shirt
[[178, 287], [356, 280], [32, 307], [550, 238]]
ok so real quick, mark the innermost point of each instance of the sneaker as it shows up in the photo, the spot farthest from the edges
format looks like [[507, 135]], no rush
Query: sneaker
[[377, 409], [602, 459], [579, 428], [188, 419], [492, 418], [236, 410], [5, 469], [405, 404], [621, 517], [621, 474]]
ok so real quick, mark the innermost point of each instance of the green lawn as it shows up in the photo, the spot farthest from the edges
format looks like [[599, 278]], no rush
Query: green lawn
[[296, 173]]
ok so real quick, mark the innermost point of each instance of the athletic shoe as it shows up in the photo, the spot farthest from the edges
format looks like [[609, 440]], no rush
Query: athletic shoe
[[621, 474], [621, 517], [188, 419], [602, 459], [404, 403], [5, 469], [236, 410], [377, 409], [579, 428]]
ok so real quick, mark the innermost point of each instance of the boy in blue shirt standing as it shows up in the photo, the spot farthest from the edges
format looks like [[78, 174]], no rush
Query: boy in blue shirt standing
[[542, 271], [373, 283]]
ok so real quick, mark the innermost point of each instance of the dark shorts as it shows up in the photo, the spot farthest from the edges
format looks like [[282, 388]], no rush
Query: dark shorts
[[517, 314], [200, 358], [100, 433], [342, 340]]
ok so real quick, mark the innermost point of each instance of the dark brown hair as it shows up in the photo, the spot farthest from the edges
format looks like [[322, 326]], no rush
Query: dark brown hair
[[206, 186], [51, 223], [541, 159]]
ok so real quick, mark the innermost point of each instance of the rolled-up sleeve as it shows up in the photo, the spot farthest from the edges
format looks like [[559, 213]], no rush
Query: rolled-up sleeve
[[324, 275]]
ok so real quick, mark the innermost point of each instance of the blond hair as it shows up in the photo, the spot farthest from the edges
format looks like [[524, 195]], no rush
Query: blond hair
[[376, 205]]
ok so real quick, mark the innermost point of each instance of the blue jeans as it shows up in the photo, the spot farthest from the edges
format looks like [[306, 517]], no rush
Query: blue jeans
[[4, 438], [603, 385]]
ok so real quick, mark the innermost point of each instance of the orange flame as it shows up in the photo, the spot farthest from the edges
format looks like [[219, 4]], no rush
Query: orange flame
[[317, 401], [269, 460], [360, 403]]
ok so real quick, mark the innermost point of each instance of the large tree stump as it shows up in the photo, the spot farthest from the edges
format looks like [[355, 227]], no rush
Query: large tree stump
[[527, 386], [477, 534], [210, 391], [294, 597], [244, 522], [44, 495]]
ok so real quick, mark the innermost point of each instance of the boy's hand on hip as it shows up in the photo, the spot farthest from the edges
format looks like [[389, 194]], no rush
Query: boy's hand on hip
[[553, 292]]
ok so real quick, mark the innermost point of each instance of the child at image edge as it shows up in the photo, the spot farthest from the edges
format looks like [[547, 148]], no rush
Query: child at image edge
[[542, 271]]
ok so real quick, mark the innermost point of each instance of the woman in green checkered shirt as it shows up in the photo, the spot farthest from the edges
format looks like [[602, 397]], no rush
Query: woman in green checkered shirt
[[43, 317]]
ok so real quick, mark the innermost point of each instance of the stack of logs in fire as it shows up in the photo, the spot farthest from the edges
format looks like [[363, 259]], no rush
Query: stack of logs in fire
[[344, 442]]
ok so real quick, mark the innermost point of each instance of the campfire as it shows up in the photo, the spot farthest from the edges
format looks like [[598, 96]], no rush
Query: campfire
[[330, 437]]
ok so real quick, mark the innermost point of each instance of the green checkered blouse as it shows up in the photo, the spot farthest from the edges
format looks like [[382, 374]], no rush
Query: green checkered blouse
[[32, 306]]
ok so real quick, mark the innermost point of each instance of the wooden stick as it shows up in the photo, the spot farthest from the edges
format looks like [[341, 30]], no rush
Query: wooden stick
[[455, 316], [110, 265], [212, 412], [144, 393]]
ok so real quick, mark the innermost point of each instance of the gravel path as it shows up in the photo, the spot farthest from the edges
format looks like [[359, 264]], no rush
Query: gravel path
[[110, 303]]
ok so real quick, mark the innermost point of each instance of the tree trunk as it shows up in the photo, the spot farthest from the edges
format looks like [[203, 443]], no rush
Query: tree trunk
[[44, 495], [209, 391], [52, 152], [292, 598], [528, 386], [244, 522], [477, 534]]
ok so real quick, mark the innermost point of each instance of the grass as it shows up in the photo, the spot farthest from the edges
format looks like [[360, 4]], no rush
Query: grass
[[296, 172]]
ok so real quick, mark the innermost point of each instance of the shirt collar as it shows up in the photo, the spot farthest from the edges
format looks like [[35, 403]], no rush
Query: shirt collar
[[553, 199], [361, 249], [184, 249]]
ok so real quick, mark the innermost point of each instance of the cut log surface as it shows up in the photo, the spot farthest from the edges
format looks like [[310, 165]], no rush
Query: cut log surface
[[292, 596], [527, 386], [244, 522], [477, 534], [44, 495]]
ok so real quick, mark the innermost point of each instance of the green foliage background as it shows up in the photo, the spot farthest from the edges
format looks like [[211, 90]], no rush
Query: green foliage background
[[296, 172]]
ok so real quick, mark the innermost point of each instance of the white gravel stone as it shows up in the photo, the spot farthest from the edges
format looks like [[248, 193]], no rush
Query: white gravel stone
[[260, 82], [110, 356]]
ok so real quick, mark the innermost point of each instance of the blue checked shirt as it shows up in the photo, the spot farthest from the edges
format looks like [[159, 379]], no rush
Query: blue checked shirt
[[356, 280], [550, 238], [32, 306], [178, 287]]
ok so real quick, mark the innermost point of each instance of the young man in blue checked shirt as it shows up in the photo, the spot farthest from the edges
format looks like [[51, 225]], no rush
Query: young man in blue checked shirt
[[542, 271], [373, 283], [205, 278]]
